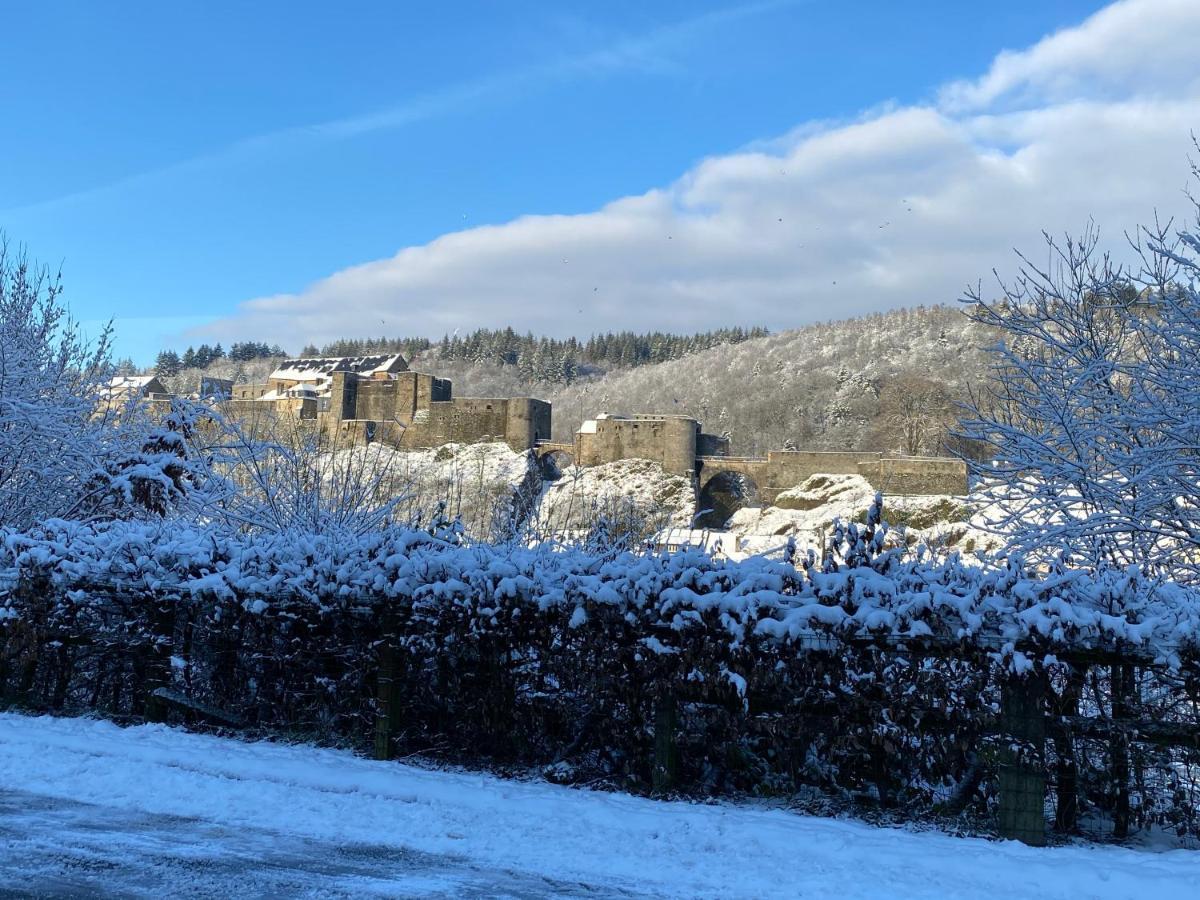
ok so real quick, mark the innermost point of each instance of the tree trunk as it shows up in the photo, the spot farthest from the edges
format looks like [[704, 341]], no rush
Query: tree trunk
[[1121, 685], [385, 696], [158, 658]]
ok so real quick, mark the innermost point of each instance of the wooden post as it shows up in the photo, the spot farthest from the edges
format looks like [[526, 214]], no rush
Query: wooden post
[[666, 752], [158, 662], [1066, 812], [1121, 687], [385, 696], [1022, 761]]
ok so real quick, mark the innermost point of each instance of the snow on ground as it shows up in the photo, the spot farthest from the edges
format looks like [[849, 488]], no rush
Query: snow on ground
[[479, 481], [634, 490], [807, 512], [88, 808]]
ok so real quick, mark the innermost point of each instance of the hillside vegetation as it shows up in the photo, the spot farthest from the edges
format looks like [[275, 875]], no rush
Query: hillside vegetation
[[889, 381]]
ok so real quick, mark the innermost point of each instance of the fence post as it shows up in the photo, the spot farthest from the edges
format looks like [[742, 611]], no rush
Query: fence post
[[385, 695], [161, 614], [666, 752], [1121, 687], [1022, 760]]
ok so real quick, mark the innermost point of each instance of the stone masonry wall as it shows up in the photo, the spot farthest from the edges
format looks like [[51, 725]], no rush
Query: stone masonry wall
[[667, 440]]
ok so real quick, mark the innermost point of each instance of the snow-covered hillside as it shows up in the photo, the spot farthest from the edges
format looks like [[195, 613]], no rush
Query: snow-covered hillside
[[487, 484], [151, 811], [822, 387], [635, 492]]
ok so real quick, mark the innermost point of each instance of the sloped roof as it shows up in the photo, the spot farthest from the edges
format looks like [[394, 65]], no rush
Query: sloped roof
[[120, 385], [126, 382], [322, 368]]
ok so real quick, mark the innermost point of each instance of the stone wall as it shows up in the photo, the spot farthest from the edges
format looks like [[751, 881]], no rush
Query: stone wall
[[669, 441], [783, 469], [790, 467], [520, 422], [922, 476], [269, 409], [528, 422], [457, 421]]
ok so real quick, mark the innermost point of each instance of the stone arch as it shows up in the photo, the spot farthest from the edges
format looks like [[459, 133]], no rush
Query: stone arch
[[723, 494], [555, 461]]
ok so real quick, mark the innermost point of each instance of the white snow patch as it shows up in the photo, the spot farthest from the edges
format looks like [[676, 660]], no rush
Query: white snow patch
[[626, 490], [807, 512], [619, 842]]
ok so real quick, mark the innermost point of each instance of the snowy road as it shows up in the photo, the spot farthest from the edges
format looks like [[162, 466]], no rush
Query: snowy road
[[60, 848], [89, 809]]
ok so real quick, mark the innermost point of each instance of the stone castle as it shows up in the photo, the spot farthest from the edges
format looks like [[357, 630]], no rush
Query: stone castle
[[378, 398]]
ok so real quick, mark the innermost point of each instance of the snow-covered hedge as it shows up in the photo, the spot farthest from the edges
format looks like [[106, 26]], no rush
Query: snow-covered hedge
[[1002, 608]]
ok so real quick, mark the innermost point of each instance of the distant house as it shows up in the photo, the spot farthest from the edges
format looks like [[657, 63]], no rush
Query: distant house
[[215, 388], [673, 539], [121, 388]]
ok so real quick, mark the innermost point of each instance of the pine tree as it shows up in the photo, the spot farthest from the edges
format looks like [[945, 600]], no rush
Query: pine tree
[[167, 363]]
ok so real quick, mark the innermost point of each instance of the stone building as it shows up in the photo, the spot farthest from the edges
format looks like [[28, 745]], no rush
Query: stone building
[[121, 389], [681, 446], [673, 442], [313, 377], [379, 398]]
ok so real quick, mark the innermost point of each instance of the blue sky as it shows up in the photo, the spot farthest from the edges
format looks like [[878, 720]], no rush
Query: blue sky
[[183, 158]]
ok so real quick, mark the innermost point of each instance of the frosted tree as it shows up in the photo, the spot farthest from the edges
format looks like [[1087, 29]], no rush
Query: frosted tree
[[67, 447], [1091, 418], [273, 474], [914, 415]]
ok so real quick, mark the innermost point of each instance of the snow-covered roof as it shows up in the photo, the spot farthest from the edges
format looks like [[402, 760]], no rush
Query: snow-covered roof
[[128, 382], [319, 369], [301, 391], [122, 385]]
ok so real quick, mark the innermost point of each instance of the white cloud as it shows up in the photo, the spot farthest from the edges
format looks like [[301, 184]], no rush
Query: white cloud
[[1142, 46], [905, 206]]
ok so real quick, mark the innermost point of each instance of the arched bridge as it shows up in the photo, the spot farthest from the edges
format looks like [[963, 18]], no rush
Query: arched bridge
[[546, 448]]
